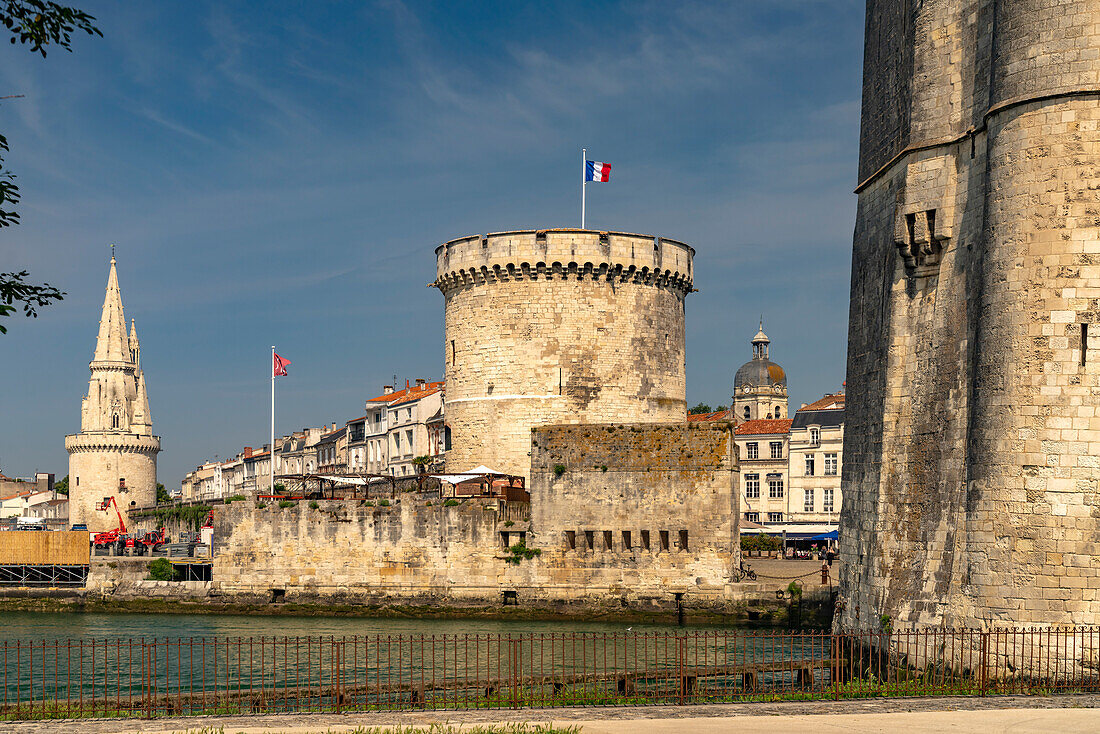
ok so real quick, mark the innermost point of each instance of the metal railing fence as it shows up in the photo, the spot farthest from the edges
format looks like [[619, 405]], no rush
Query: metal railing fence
[[191, 676]]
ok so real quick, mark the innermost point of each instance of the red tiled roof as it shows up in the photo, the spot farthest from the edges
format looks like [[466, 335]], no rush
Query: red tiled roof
[[828, 402], [415, 395], [718, 415], [408, 392], [766, 425]]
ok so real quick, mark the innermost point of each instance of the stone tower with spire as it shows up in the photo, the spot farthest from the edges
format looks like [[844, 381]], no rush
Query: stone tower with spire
[[115, 453]]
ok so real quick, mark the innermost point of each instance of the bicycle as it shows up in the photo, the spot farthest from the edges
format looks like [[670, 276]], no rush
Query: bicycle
[[746, 572]]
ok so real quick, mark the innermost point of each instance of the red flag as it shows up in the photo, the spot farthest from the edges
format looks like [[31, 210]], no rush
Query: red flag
[[280, 366]]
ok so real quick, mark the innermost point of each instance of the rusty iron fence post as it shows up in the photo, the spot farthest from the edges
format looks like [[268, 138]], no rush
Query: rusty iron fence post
[[834, 662], [514, 667], [681, 665], [336, 659], [984, 662]]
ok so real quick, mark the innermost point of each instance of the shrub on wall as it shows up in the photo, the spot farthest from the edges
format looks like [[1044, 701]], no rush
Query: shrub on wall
[[161, 570]]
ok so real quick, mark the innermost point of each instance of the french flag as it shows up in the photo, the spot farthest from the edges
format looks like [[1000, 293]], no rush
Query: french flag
[[596, 171]]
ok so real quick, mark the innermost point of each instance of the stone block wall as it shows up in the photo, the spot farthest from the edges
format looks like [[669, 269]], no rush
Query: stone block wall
[[969, 479], [677, 483], [558, 326], [99, 461], [632, 509]]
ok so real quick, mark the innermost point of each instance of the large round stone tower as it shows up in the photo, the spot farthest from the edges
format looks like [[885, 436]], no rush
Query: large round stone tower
[[971, 473], [558, 326], [115, 453]]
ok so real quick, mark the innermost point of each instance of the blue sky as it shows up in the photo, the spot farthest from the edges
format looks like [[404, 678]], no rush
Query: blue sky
[[281, 174]]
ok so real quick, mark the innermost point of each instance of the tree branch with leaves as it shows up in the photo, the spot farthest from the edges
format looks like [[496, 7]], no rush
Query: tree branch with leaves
[[37, 24]]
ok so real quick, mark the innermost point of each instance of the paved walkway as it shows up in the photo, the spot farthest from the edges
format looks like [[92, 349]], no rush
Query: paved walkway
[[1062, 714]]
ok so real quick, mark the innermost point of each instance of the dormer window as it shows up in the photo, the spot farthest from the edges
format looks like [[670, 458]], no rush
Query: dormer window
[[815, 436]]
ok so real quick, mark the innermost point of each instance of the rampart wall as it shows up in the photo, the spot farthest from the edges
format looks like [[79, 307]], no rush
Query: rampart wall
[[420, 553]]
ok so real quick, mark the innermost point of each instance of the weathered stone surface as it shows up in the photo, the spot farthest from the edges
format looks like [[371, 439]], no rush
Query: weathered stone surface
[[970, 476], [558, 326], [676, 483]]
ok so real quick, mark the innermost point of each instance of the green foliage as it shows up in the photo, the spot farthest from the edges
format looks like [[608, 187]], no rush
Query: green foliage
[[37, 23], [451, 503], [794, 589], [287, 503], [40, 23], [261, 505], [509, 523], [193, 514], [61, 486], [700, 409], [12, 287], [383, 503], [720, 408], [886, 623], [162, 495], [520, 552], [603, 467], [278, 488], [161, 569], [313, 504], [559, 469], [422, 460], [235, 498], [368, 503], [760, 543]]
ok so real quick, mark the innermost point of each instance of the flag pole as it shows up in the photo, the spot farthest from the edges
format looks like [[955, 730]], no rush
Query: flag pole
[[584, 180], [271, 447]]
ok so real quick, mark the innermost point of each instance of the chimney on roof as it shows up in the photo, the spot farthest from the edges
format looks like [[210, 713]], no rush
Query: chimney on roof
[[420, 382], [248, 452], [803, 406], [406, 383], [387, 389]]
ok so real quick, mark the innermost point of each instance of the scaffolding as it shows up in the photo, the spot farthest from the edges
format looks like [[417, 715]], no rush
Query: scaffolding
[[54, 575]]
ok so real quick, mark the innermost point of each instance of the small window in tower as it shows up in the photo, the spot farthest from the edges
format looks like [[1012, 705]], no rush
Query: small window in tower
[[571, 539], [607, 540], [114, 421], [589, 539], [1084, 343], [627, 545], [645, 540], [778, 412], [683, 540], [664, 540], [78, 481], [452, 352]]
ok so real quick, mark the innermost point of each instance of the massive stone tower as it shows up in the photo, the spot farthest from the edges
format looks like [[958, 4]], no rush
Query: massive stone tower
[[115, 453], [559, 326], [972, 455]]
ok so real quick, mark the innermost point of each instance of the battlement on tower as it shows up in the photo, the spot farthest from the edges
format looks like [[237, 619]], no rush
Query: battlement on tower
[[564, 253]]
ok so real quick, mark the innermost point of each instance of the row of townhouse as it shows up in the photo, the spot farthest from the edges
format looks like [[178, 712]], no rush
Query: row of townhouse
[[790, 469], [402, 433], [33, 498]]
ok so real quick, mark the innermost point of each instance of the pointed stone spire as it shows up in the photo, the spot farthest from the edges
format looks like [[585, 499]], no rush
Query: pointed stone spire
[[112, 344], [135, 347], [142, 423]]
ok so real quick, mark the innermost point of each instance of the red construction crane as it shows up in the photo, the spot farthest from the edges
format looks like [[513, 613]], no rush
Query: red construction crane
[[109, 537]]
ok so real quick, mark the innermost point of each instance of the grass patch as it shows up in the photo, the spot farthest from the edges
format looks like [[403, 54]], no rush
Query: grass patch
[[451, 503], [286, 503]]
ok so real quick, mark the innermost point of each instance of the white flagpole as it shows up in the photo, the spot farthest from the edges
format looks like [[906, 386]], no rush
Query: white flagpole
[[584, 180], [271, 452]]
